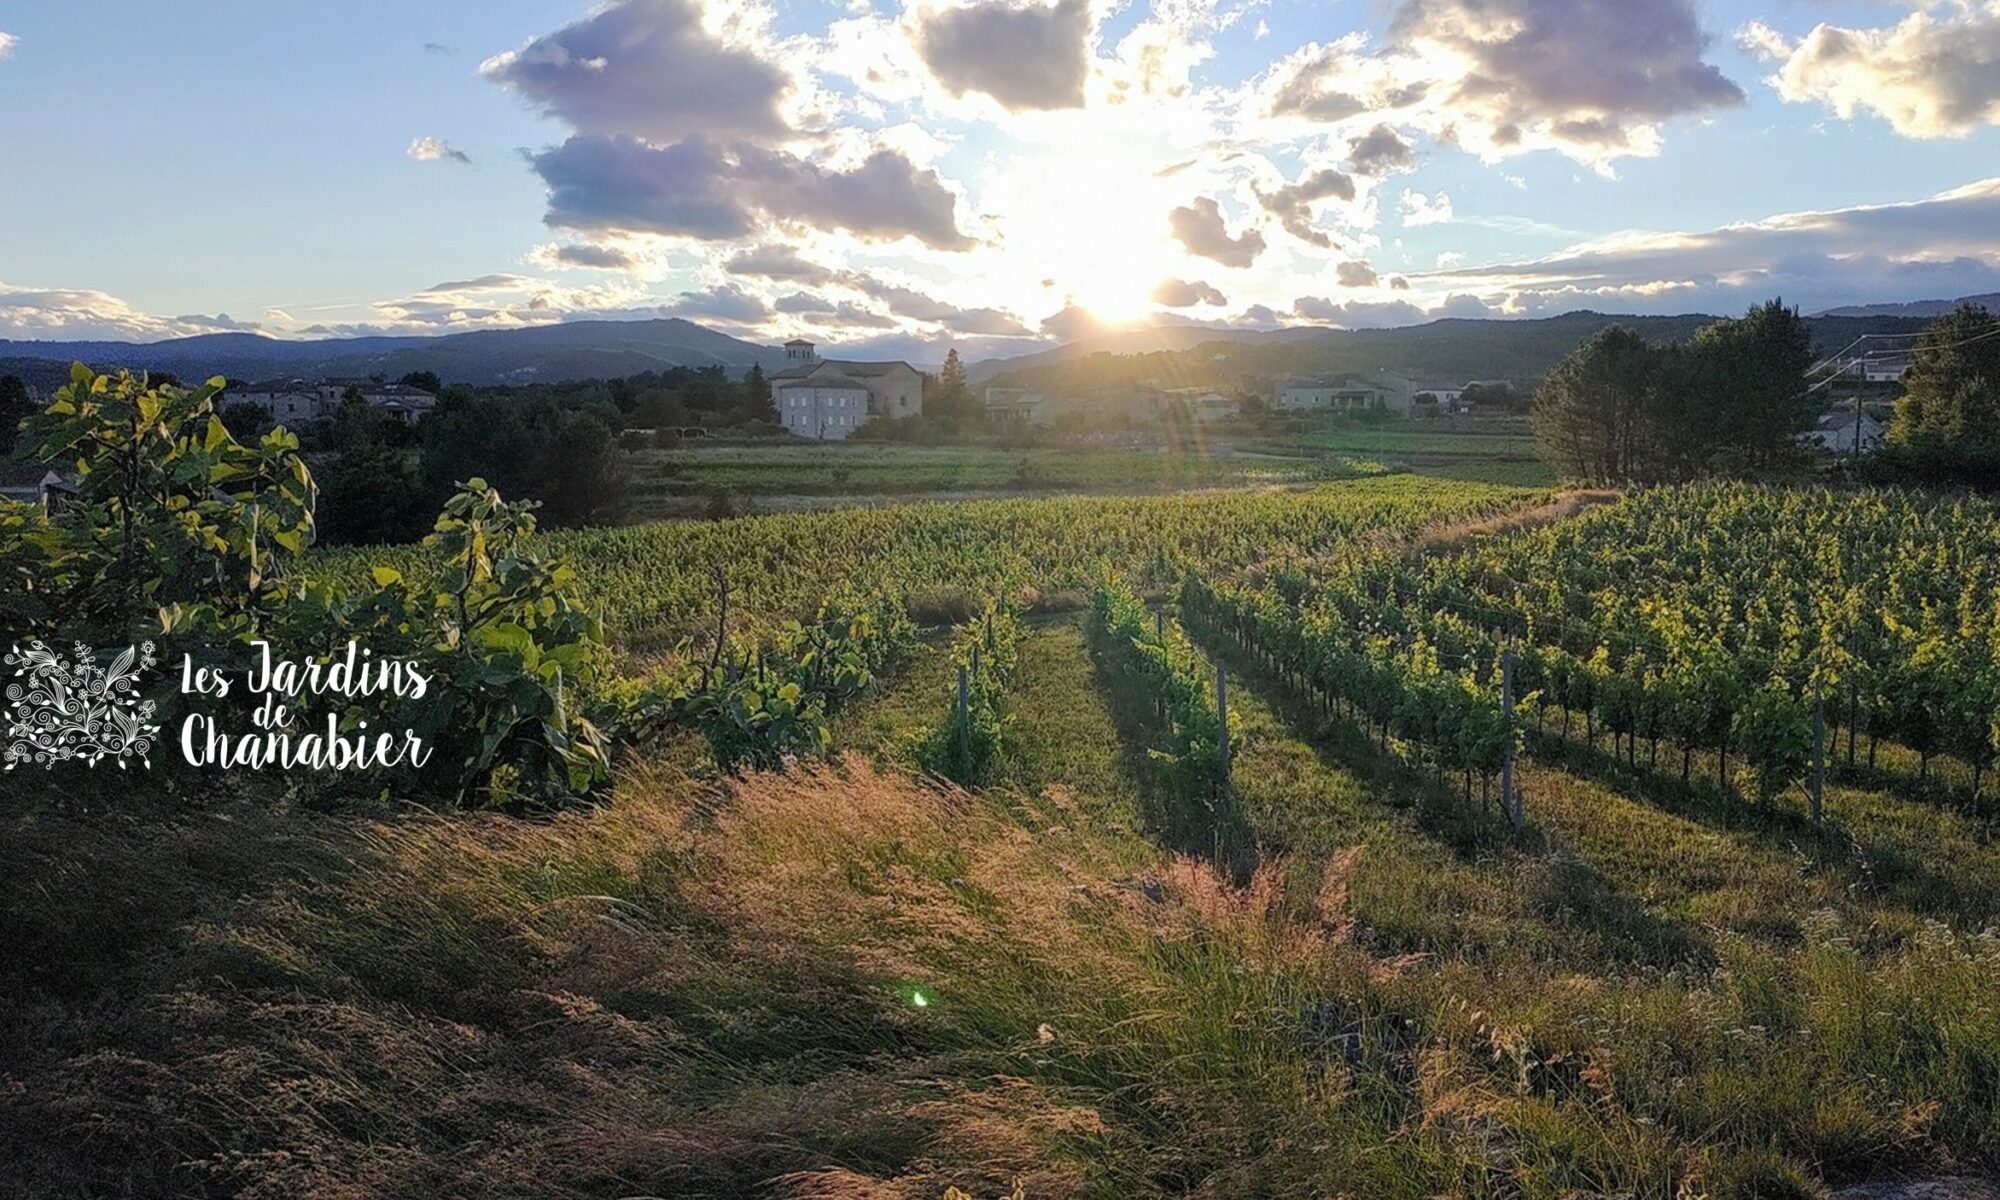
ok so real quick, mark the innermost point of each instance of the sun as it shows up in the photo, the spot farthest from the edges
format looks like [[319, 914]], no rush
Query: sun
[[1094, 226]]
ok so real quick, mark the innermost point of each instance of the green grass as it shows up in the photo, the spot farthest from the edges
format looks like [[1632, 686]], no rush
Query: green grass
[[867, 468], [1514, 443]]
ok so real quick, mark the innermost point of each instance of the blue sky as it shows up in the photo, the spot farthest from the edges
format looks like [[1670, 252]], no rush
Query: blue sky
[[982, 172]]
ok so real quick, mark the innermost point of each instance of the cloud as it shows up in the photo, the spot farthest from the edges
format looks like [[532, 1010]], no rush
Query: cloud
[[1594, 77], [1026, 56], [1934, 74], [1356, 314], [589, 256], [1181, 293], [430, 149], [78, 314], [1201, 229], [1943, 246], [914, 305], [722, 303], [1356, 274], [1419, 209], [1380, 151], [648, 69], [7, 43], [219, 323], [1292, 203], [483, 283], [697, 188], [777, 262]]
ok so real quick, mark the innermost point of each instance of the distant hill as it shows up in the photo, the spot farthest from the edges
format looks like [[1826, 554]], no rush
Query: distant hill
[[542, 354], [1915, 308], [1453, 350]]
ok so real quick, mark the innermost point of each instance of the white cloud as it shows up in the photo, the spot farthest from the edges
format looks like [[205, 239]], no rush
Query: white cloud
[[1934, 74], [7, 43], [1945, 246], [79, 314], [1419, 209], [430, 149]]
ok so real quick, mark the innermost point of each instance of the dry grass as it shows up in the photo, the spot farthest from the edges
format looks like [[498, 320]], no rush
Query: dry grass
[[713, 990]]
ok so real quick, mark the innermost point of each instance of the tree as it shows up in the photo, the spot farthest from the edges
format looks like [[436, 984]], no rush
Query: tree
[[426, 380], [948, 402], [757, 405], [1620, 409], [1947, 425], [16, 406], [1743, 392], [1588, 414], [369, 491], [584, 482], [1498, 394]]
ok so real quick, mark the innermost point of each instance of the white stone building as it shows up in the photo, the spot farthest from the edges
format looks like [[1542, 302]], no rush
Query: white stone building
[[827, 399]]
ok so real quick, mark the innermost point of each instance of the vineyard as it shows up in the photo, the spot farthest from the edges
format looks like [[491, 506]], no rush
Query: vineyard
[[659, 583], [1391, 838]]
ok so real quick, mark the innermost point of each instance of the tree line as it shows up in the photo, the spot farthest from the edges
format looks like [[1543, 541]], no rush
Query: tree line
[[1733, 400]]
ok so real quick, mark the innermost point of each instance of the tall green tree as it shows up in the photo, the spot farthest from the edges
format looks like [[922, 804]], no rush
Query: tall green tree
[[1590, 414], [1748, 399], [16, 406], [1947, 425]]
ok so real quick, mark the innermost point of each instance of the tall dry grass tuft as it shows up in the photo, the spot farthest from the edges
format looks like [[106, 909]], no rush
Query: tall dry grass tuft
[[846, 982]]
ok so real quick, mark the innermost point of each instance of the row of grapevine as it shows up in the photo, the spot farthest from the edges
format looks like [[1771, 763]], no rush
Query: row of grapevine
[[1397, 687], [759, 702], [657, 582], [1156, 657], [984, 651], [1724, 615]]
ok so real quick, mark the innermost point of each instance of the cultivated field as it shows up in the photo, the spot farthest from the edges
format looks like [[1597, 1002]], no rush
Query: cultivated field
[[677, 481], [1149, 947]]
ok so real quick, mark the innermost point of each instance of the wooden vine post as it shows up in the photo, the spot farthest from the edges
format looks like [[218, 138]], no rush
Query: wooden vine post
[[1819, 755], [1222, 725], [1510, 800]]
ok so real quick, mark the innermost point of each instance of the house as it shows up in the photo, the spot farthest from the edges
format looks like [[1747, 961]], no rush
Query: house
[[1018, 404], [1137, 404], [1210, 406], [41, 486], [1885, 367], [289, 401], [827, 399], [299, 401], [1350, 393], [1446, 395], [1837, 431]]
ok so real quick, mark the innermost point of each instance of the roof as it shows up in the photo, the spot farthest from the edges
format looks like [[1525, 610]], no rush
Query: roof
[[799, 342], [831, 380], [21, 476], [1842, 418], [841, 366], [276, 385], [402, 391]]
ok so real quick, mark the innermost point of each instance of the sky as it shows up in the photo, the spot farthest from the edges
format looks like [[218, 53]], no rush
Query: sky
[[903, 175]]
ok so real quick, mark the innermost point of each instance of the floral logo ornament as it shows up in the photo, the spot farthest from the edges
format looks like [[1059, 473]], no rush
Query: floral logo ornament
[[57, 711]]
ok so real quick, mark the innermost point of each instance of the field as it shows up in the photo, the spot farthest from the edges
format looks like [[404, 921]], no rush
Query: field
[[1296, 945], [677, 481]]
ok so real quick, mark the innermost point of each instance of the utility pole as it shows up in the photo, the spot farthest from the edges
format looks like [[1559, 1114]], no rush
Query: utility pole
[[1860, 376]]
